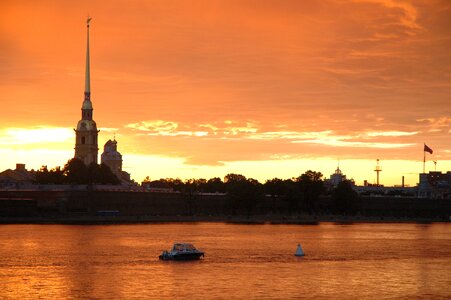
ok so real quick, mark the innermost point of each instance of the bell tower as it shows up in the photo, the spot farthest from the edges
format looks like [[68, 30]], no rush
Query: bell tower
[[86, 133]]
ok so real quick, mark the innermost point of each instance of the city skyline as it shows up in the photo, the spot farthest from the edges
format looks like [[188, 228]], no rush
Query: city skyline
[[266, 89]]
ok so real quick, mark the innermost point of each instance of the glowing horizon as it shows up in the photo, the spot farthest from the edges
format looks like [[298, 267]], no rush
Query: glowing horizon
[[265, 89]]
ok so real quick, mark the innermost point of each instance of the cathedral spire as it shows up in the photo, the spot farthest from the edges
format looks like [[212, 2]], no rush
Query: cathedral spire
[[87, 75], [86, 109], [86, 134]]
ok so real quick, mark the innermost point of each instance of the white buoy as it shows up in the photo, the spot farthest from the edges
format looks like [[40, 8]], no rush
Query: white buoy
[[299, 251]]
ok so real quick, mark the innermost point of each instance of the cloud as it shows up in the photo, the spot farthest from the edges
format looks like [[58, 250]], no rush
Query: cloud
[[249, 138], [248, 128], [409, 14], [354, 144], [156, 126], [107, 129], [435, 123], [405, 12], [391, 133], [170, 128], [290, 135]]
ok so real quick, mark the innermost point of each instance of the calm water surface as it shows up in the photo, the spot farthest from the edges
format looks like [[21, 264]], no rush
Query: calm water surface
[[241, 262]]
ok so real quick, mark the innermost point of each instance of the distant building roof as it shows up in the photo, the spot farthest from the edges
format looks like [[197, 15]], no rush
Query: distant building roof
[[20, 174]]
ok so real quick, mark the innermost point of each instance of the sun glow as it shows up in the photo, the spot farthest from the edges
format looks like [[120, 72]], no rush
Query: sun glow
[[21, 136]]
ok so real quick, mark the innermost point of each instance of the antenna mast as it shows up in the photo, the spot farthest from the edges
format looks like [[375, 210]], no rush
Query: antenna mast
[[378, 169]]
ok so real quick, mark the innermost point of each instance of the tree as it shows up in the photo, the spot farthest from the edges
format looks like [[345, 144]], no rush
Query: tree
[[215, 185], [275, 187], [195, 185], [176, 184], [292, 196], [103, 174], [190, 191], [76, 172], [242, 193], [310, 187], [252, 194], [233, 178], [54, 176], [57, 175], [345, 198]]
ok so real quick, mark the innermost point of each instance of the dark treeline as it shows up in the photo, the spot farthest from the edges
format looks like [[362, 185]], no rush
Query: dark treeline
[[76, 172], [236, 195], [300, 194]]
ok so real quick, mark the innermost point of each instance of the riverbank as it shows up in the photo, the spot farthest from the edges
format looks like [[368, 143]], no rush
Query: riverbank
[[295, 220], [108, 207]]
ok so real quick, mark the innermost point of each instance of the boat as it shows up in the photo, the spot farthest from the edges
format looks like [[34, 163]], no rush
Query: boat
[[182, 251]]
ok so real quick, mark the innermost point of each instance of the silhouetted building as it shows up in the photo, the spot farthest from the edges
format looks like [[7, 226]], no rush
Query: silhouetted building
[[113, 159], [16, 178], [86, 147], [435, 185], [335, 179]]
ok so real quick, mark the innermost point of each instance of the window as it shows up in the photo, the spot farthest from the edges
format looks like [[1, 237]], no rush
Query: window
[[83, 140]]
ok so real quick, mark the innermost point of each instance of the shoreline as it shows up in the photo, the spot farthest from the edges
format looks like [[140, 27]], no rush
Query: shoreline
[[256, 220]]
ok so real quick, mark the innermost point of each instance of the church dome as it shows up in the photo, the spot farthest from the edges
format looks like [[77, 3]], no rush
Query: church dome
[[110, 156], [110, 151], [86, 125], [110, 146]]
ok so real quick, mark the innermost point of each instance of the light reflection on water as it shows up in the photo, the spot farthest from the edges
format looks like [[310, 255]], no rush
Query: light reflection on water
[[242, 261]]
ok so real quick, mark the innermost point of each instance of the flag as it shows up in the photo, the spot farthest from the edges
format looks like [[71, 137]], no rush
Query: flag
[[427, 149]]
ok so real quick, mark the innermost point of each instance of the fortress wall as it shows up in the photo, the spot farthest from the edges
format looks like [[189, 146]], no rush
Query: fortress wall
[[73, 203]]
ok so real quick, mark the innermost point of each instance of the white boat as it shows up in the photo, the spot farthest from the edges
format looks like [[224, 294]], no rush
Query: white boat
[[182, 251]]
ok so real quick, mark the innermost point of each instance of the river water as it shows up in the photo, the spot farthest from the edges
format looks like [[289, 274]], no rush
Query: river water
[[241, 262]]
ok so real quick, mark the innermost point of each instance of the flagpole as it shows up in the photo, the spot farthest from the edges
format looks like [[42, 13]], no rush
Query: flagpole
[[424, 160]]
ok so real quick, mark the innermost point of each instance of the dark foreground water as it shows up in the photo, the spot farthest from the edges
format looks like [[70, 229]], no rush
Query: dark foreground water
[[242, 261]]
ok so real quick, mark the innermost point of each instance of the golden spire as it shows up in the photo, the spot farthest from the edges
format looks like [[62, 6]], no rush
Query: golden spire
[[87, 74]]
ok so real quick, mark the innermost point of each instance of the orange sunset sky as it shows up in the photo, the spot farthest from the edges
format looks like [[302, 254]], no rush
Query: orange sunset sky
[[264, 88]]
